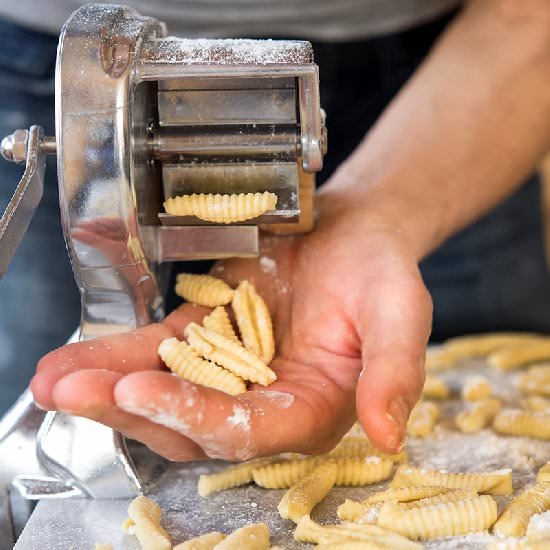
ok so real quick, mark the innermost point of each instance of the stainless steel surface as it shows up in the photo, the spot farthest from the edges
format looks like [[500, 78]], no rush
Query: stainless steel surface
[[78, 524], [27, 195]]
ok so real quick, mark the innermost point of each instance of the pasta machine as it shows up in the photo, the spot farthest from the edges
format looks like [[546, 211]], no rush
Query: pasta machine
[[141, 117]]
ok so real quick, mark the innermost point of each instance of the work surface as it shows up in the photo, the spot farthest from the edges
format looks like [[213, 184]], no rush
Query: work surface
[[78, 524]]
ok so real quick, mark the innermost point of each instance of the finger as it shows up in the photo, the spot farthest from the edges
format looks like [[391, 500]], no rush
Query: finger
[[90, 393], [395, 329], [127, 352], [256, 423]]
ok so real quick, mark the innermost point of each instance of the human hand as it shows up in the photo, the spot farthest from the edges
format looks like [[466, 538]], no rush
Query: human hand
[[351, 319]]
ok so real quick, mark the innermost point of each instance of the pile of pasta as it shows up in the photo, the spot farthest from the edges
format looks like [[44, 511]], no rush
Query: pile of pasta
[[504, 352], [213, 355]]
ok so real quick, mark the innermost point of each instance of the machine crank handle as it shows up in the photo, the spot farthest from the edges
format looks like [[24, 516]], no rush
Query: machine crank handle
[[29, 147]]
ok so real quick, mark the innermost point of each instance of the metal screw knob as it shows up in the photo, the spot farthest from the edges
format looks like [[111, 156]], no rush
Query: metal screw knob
[[14, 146]]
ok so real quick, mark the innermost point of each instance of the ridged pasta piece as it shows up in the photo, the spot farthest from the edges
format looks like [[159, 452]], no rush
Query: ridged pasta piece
[[304, 495], [535, 381], [406, 494], [478, 415], [229, 354], [476, 388], [254, 321], [203, 290], [218, 321], [217, 208], [353, 472], [435, 388], [438, 359], [422, 419], [232, 476], [481, 345], [251, 537], [543, 475], [440, 520], [498, 482], [523, 423], [351, 545], [513, 522], [360, 446], [283, 475], [454, 495], [350, 510], [182, 360], [145, 516], [516, 356], [535, 403], [103, 546], [308, 530], [204, 542]]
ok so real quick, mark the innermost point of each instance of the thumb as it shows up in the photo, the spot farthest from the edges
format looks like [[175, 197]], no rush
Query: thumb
[[395, 328]]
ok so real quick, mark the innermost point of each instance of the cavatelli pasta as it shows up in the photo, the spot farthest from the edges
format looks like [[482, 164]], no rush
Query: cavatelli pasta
[[181, 359], [144, 523], [440, 520], [422, 419], [218, 321], [438, 359], [476, 388], [360, 446], [513, 522], [204, 542], [535, 403], [435, 388], [229, 354], [453, 495], [304, 495], [362, 471], [203, 290], [543, 475], [523, 423], [251, 537], [518, 355], [481, 345], [254, 321], [406, 494], [495, 483], [233, 476], [228, 208], [478, 415], [536, 380], [283, 475]]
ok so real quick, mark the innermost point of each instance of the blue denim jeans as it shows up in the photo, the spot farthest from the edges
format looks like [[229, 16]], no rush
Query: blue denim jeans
[[39, 301]]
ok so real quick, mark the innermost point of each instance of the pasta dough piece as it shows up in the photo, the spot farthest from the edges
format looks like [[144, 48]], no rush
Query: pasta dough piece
[[228, 354], [535, 403], [102, 546], [362, 471], [203, 290], [283, 475], [481, 345], [251, 537], [543, 475], [406, 494], [476, 388], [303, 496], [350, 510], [218, 208], [422, 419], [513, 522], [360, 446], [204, 542], [518, 355], [438, 358], [523, 423], [535, 381], [435, 388], [440, 520], [308, 530], [478, 415], [181, 359], [498, 482], [145, 516], [233, 476], [254, 321], [352, 545], [218, 321], [452, 496]]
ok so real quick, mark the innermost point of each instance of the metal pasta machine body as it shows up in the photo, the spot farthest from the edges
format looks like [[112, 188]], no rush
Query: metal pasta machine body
[[141, 117]]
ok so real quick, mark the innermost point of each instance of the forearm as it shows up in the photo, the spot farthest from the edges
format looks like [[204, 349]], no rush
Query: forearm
[[465, 131]]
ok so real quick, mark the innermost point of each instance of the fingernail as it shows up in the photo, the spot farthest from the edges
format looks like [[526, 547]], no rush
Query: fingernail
[[398, 413]]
